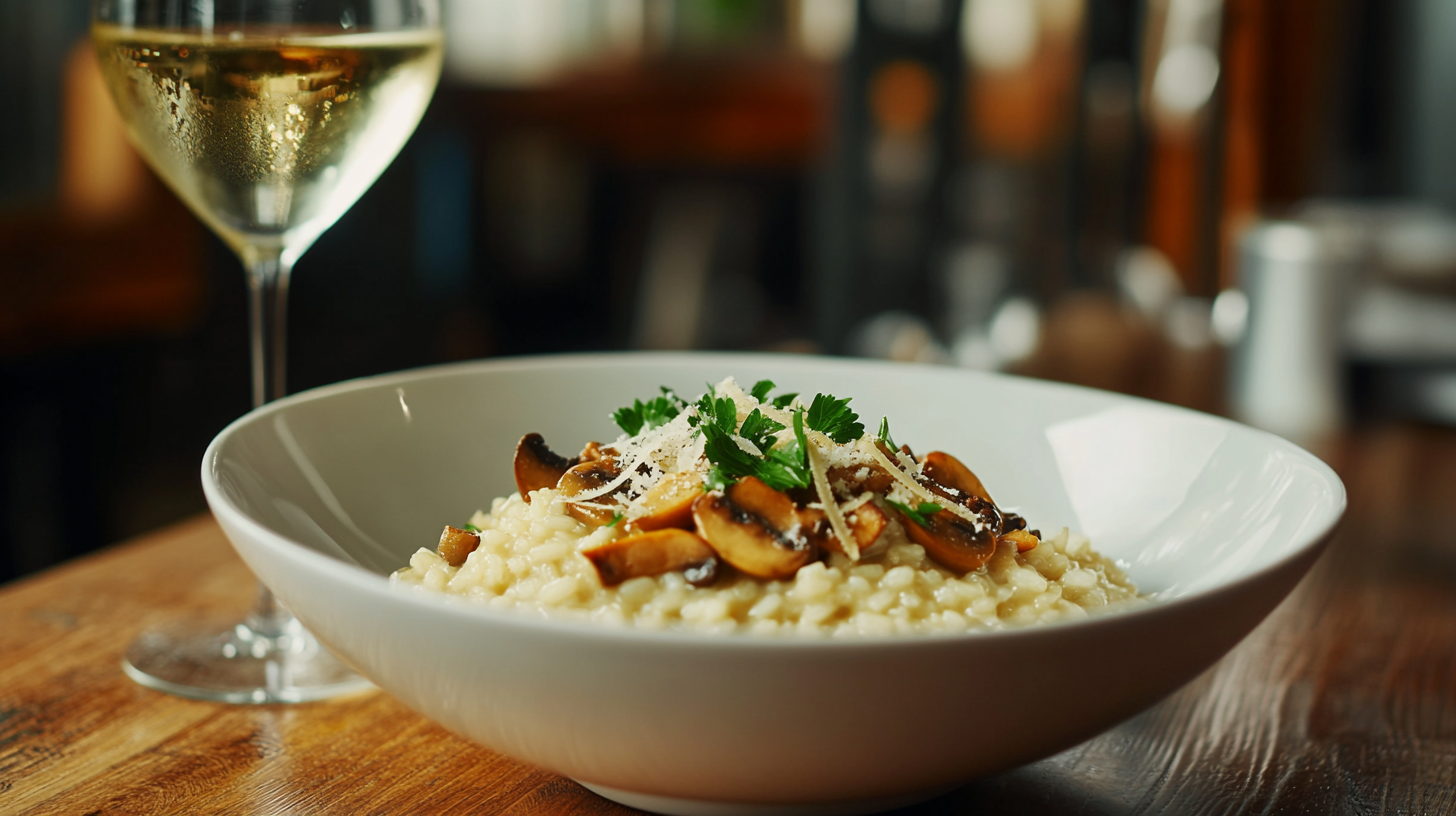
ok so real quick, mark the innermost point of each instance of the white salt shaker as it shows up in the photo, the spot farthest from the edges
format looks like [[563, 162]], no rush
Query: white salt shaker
[[1287, 372]]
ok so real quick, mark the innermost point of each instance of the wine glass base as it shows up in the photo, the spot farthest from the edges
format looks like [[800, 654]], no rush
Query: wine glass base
[[237, 664]]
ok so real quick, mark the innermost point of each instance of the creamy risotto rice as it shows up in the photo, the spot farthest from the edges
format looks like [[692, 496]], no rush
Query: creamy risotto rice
[[746, 512], [529, 558]]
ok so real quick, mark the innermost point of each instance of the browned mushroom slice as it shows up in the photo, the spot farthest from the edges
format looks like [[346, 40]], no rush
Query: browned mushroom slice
[[654, 553], [592, 452], [748, 540], [1022, 539], [869, 477], [538, 466], [456, 545], [589, 476], [865, 522], [947, 471], [952, 541], [753, 496], [814, 525], [1011, 522], [669, 503]]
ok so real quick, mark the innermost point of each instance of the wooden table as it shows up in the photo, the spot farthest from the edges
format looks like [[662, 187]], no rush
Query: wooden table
[[1343, 701]]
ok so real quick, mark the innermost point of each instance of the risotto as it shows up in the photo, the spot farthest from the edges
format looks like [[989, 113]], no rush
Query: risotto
[[740, 513]]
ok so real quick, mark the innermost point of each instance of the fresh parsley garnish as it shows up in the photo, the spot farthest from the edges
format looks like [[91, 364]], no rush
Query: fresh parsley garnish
[[641, 416], [789, 464], [761, 390], [781, 472], [725, 453], [799, 439], [759, 430], [780, 467], [920, 515], [884, 434], [833, 418], [616, 517], [716, 479], [724, 414], [470, 528], [715, 410]]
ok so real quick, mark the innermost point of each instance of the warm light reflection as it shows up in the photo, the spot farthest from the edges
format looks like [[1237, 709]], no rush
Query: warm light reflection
[[302, 519], [1000, 35], [404, 406], [825, 28]]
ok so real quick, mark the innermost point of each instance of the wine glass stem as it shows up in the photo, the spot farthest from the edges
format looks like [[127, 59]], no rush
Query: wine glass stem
[[268, 275], [268, 618]]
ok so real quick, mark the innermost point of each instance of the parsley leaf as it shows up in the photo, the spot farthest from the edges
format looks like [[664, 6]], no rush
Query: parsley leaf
[[833, 418], [725, 414], [759, 430], [722, 451], [884, 434], [784, 400], [716, 479], [630, 418], [641, 416], [470, 528], [761, 389], [616, 517], [799, 438], [715, 410], [703, 408], [920, 515], [788, 466], [780, 468]]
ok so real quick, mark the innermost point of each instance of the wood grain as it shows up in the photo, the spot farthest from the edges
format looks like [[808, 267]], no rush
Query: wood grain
[[1343, 701]]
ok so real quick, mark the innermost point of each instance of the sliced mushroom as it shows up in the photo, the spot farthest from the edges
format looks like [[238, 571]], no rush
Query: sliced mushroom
[[654, 553], [1022, 539], [753, 496], [456, 545], [814, 525], [1012, 521], [592, 452], [870, 477], [750, 540], [669, 503], [952, 541], [947, 471], [538, 466], [589, 476], [866, 523]]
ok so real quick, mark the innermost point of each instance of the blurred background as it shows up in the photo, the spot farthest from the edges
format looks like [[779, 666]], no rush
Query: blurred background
[[1243, 206]]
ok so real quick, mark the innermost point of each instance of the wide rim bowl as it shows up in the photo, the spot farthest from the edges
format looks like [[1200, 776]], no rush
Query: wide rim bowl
[[308, 581]]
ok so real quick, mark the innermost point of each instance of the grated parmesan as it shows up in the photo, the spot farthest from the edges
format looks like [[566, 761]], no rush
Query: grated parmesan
[[826, 497], [916, 489]]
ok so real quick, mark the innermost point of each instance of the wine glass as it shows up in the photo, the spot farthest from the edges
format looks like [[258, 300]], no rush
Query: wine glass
[[269, 118]]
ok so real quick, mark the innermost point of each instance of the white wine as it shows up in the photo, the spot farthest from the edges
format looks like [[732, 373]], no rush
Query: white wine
[[269, 140]]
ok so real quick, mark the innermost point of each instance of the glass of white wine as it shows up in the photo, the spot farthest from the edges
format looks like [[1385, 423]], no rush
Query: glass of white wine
[[269, 118]]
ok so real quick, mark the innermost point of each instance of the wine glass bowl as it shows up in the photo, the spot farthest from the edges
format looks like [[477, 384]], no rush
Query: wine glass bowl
[[269, 120], [269, 139]]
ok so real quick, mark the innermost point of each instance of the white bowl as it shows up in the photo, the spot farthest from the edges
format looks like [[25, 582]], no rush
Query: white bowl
[[325, 493]]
